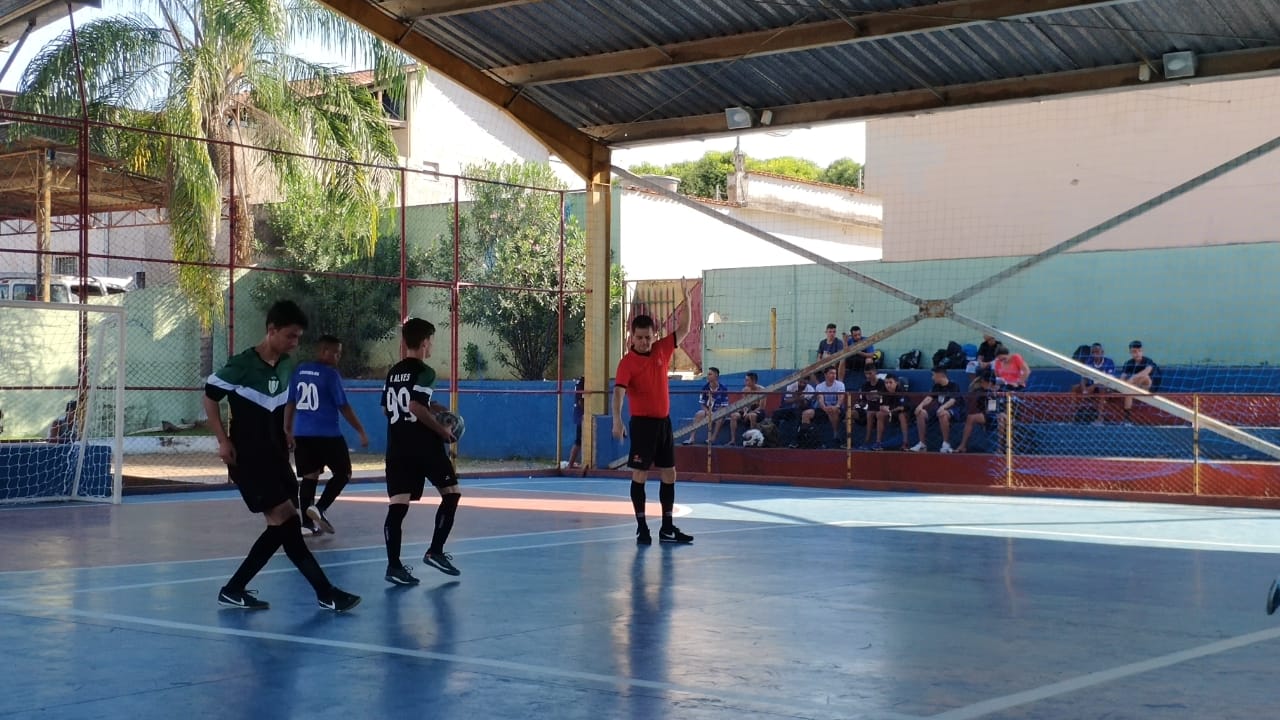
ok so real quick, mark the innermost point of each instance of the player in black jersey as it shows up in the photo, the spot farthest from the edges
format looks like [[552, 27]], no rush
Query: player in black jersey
[[416, 452], [255, 384]]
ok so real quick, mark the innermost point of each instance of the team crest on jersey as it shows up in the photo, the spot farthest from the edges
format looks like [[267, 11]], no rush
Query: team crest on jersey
[[273, 385]]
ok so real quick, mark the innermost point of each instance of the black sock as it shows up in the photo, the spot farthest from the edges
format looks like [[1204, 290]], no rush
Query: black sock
[[444, 521], [295, 547], [307, 493], [263, 548], [331, 490], [637, 501], [396, 513], [667, 496]]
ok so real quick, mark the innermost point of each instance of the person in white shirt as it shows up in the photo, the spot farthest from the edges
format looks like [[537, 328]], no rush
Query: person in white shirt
[[830, 400]]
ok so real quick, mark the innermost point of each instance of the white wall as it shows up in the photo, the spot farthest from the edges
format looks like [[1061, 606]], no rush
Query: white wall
[[663, 239], [1016, 179]]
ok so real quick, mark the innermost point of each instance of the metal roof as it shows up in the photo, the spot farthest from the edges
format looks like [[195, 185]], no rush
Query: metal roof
[[623, 71], [18, 17]]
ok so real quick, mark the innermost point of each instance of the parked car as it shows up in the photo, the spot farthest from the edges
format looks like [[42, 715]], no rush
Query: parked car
[[62, 288]]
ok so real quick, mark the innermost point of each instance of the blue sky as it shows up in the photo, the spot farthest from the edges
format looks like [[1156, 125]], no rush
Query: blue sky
[[821, 144]]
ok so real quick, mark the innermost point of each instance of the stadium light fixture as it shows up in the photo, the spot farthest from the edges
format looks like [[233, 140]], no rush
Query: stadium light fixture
[[1179, 65], [739, 118]]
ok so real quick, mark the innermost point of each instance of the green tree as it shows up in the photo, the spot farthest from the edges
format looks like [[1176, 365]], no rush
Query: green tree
[[792, 167], [706, 177], [358, 312], [844, 171], [213, 72], [510, 236]]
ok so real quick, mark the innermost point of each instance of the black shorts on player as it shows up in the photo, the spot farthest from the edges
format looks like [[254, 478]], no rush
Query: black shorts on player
[[264, 486], [652, 444], [313, 454], [410, 474]]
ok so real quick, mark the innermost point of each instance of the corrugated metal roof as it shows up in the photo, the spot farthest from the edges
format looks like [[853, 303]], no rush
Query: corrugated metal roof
[[1080, 38]]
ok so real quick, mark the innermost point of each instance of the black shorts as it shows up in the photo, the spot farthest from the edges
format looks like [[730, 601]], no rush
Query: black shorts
[[652, 444], [577, 434], [314, 454], [263, 485], [409, 474]]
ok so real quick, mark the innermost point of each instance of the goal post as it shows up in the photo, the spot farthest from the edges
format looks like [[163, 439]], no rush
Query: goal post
[[62, 379]]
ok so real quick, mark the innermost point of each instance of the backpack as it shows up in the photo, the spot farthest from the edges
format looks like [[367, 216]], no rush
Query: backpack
[[770, 432], [807, 437], [910, 360], [951, 358]]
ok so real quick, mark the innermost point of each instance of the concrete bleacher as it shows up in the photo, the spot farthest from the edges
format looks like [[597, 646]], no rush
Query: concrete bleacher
[[1047, 421]]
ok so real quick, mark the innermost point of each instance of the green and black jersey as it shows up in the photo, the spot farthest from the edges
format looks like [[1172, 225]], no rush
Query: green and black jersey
[[257, 393], [410, 379]]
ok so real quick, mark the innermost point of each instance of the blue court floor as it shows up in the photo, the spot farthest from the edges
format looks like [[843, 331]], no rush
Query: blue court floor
[[792, 603]]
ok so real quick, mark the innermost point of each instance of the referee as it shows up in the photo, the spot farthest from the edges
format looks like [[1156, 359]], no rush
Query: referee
[[642, 379]]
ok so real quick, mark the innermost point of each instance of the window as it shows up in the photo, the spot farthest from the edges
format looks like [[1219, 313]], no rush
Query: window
[[66, 265], [392, 108]]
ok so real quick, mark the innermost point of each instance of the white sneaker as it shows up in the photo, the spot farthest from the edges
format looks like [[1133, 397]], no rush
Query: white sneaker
[[946, 448], [919, 447]]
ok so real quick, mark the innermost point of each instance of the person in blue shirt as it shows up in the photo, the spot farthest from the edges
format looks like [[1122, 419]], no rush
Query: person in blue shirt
[[714, 396], [1099, 361], [857, 364], [831, 344], [316, 397]]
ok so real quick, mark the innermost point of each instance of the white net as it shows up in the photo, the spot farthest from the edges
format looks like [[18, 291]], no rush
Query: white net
[[61, 392]]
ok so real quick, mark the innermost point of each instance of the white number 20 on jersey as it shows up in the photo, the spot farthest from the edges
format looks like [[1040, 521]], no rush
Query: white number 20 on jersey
[[308, 396], [397, 403]]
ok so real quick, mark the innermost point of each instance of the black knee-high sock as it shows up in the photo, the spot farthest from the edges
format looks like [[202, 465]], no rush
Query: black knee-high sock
[[444, 521], [667, 496], [307, 492], [396, 513], [637, 501], [331, 490], [296, 548], [263, 548]]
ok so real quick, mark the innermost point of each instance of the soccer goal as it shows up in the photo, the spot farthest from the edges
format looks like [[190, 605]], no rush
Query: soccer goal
[[62, 398]]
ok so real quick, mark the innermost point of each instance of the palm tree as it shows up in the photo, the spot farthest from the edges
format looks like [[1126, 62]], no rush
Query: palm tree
[[204, 74]]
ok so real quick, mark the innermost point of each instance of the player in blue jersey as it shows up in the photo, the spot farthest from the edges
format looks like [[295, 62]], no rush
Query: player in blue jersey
[[316, 397]]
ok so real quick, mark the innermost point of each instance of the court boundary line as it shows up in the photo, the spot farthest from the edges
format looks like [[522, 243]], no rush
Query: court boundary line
[[1101, 677], [523, 669]]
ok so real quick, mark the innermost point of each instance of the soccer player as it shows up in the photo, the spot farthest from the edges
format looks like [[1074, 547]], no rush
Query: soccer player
[[316, 397], [642, 379], [255, 384], [416, 452]]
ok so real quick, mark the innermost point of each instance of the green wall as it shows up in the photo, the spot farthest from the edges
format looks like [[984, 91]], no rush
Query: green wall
[[1207, 305]]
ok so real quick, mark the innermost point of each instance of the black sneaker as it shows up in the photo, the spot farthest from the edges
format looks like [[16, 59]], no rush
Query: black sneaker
[[1273, 597], [308, 529], [643, 537], [319, 519], [673, 535], [442, 562], [400, 575], [243, 599], [338, 601]]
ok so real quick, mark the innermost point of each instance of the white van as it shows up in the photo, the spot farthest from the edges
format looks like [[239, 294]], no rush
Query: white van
[[62, 288]]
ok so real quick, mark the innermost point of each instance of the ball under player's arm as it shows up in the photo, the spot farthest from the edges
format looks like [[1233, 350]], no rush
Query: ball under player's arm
[[427, 416]]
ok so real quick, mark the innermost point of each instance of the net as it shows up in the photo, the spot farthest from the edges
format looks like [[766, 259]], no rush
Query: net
[[1049, 226], [62, 392]]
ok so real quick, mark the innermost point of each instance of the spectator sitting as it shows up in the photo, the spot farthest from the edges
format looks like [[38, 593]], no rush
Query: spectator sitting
[[859, 360], [1012, 372], [893, 404], [1140, 371], [796, 398], [830, 344], [870, 395], [753, 412], [943, 403], [987, 351], [63, 430], [830, 400], [980, 406], [1099, 361], [713, 397]]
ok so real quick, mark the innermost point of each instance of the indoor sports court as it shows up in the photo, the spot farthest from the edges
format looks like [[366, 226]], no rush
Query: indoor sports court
[[791, 603]]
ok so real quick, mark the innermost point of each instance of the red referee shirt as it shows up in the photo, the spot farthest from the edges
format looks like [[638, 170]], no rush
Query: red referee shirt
[[645, 378]]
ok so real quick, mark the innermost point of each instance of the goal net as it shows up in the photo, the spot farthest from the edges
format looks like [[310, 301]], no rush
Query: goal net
[[61, 394]]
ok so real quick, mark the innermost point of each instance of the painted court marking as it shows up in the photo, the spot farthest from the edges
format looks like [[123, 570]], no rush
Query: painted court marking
[[614, 681]]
